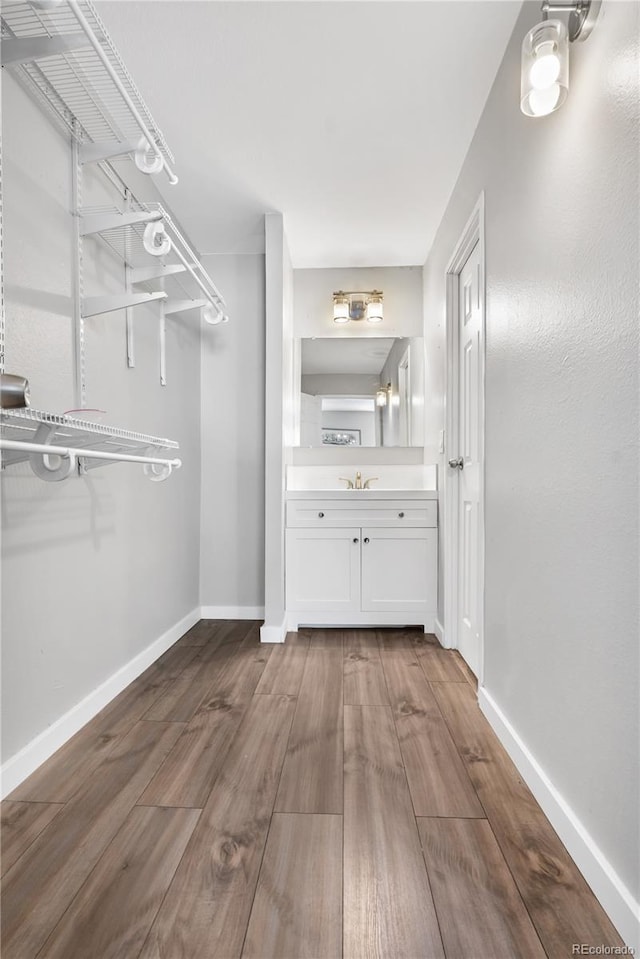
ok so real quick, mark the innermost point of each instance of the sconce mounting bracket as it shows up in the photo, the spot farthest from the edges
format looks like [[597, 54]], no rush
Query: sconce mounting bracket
[[582, 15]]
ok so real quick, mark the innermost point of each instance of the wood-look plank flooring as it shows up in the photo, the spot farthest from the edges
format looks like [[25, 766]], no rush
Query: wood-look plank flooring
[[338, 796]]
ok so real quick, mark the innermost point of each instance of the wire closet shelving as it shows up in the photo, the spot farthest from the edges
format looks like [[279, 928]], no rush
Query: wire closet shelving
[[163, 252], [56, 445], [67, 59], [61, 53]]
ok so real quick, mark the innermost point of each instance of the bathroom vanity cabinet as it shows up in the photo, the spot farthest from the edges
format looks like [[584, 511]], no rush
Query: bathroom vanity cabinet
[[362, 558]]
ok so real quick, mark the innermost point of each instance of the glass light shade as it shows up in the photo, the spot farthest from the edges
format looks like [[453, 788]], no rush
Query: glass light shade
[[544, 80], [375, 312], [381, 397], [340, 309]]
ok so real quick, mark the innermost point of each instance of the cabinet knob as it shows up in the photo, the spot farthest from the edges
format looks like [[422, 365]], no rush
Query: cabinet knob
[[355, 539], [366, 539], [401, 515], [320, 515]]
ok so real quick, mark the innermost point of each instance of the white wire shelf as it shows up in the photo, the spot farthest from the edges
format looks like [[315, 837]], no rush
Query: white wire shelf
[[28, 435], [65, 56], [124, 234]]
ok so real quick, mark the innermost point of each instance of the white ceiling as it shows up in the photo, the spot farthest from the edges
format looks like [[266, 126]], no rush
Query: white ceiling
[[326, 354], [350, 118]]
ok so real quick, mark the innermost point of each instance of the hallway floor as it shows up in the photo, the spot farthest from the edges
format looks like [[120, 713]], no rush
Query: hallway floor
[[341, 795]]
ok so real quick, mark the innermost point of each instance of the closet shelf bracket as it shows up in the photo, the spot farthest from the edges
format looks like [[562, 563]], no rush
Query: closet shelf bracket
[[95, 305], [106, 150]]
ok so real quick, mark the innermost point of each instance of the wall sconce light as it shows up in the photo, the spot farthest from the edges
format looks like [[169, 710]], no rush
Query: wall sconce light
[[353, 305], [544, 80], [383, 395]]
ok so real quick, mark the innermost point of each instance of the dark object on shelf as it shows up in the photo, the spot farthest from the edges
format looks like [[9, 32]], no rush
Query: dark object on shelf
[[14, 391]]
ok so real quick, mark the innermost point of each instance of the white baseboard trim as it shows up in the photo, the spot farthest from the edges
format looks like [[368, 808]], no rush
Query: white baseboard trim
[[16, 769], [439, 631], [616, 900], [274, 634], [232, 612]]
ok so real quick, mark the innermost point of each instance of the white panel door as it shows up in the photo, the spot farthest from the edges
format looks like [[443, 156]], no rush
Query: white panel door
[[399, 570], [469, 345], [323, 569]]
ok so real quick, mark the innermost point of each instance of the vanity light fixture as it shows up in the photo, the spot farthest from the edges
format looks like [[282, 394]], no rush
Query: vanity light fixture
[[357, 305], [544, 82]]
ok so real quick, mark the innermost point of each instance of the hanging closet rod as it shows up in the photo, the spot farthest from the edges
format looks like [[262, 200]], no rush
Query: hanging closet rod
[[95, 43], [69, 452], [217, 295]]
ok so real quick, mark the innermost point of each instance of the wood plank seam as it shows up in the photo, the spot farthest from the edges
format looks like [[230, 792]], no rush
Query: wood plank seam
[[286, 749]]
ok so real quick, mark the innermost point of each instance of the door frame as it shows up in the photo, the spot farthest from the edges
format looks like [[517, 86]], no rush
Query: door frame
[[472, 234]]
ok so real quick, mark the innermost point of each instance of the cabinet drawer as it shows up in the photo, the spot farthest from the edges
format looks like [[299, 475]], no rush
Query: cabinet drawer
[[380, 513]]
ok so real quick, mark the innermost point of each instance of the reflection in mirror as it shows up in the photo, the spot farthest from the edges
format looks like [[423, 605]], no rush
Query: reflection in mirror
[[361, 391]]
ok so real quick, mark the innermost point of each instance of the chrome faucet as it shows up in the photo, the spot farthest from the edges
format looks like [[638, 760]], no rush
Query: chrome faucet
[[343, 479], [370, 480]]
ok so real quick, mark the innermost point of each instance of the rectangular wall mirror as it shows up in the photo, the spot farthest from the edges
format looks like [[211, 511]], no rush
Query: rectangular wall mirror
[[361, 391]]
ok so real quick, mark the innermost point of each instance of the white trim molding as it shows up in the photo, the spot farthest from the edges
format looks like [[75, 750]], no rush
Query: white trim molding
[[473, 234], [274, 634], [16, 769], [616, 900], [232, 612], [438, 629]]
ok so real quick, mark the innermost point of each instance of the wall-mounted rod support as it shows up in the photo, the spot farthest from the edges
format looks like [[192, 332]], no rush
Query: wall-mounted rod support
[[95, 43]]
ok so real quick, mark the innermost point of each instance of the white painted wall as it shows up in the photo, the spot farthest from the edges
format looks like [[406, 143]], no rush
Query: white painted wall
[[388, 455], [561, 659], [233, 381], [95, 569]]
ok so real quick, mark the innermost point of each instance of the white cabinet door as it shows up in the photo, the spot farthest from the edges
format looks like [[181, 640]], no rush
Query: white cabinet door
[[399, 570], [323, 569]]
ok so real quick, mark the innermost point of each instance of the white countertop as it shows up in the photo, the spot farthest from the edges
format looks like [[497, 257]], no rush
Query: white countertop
[[344, 494]]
